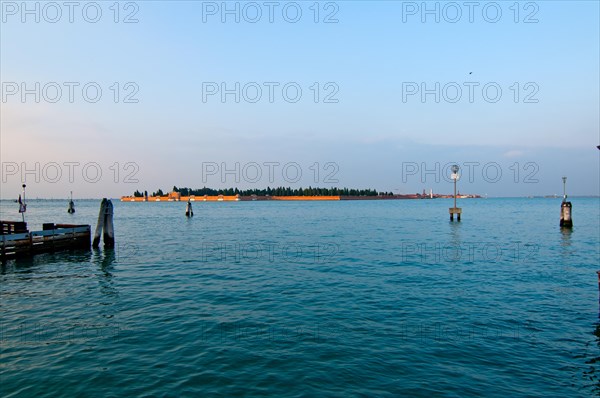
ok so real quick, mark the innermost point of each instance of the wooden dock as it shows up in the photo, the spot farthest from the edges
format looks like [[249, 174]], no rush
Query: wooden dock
[[16, 240]]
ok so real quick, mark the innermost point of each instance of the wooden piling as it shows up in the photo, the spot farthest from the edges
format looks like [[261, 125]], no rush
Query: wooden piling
[[109, 231], [453, 211], [105, 224], [188, 209], [100, 225]]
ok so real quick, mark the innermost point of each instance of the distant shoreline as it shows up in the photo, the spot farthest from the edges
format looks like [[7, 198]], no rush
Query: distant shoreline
[[254, 198], [198, 199]]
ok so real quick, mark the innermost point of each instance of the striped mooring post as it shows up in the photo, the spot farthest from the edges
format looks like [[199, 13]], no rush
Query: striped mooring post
[[105, 224]]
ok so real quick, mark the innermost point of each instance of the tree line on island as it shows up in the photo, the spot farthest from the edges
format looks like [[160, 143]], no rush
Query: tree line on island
[[279, 191]]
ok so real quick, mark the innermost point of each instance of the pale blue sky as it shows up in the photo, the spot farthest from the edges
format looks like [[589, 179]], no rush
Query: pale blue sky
[[370, 55]]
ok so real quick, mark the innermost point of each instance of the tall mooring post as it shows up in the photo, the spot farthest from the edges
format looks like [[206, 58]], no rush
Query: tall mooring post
[[455, 210], [188, 209], [105, 223], [566, 220]]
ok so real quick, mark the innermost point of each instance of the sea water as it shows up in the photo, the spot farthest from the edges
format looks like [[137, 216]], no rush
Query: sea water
[[350, 298]]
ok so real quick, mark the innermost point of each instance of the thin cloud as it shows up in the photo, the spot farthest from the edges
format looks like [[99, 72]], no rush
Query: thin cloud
[[514, 153]]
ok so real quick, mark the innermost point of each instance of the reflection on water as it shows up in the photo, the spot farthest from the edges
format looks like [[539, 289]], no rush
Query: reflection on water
[[457, 254], [21, 265], [105, 260], [27, 265], [566, 237], [455, 235], [566, 250], [590, 374]]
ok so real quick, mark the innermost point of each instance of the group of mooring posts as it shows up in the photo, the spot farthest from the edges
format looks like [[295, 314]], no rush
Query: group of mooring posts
[[105, 223], [566, 221]]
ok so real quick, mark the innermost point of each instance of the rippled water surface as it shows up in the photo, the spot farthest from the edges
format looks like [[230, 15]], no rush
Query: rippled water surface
[[305, 298]]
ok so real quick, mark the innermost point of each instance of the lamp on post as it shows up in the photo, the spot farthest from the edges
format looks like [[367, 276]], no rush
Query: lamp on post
[[455, 210]]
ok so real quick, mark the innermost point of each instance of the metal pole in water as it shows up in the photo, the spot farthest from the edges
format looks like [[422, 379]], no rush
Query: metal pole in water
[[455, 193]]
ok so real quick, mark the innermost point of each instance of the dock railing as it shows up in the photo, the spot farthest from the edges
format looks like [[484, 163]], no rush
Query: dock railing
[[12, 227]]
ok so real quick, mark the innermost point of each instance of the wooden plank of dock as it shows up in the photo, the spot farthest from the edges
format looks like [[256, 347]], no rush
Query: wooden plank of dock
[[60, 237]]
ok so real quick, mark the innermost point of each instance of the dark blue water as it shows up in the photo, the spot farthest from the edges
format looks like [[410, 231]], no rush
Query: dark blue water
[[304, 298]]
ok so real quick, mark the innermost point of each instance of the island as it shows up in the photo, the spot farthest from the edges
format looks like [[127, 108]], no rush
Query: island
[[279, 193]]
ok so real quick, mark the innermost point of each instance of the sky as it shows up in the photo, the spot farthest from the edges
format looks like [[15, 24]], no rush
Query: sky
[[105, 98]]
